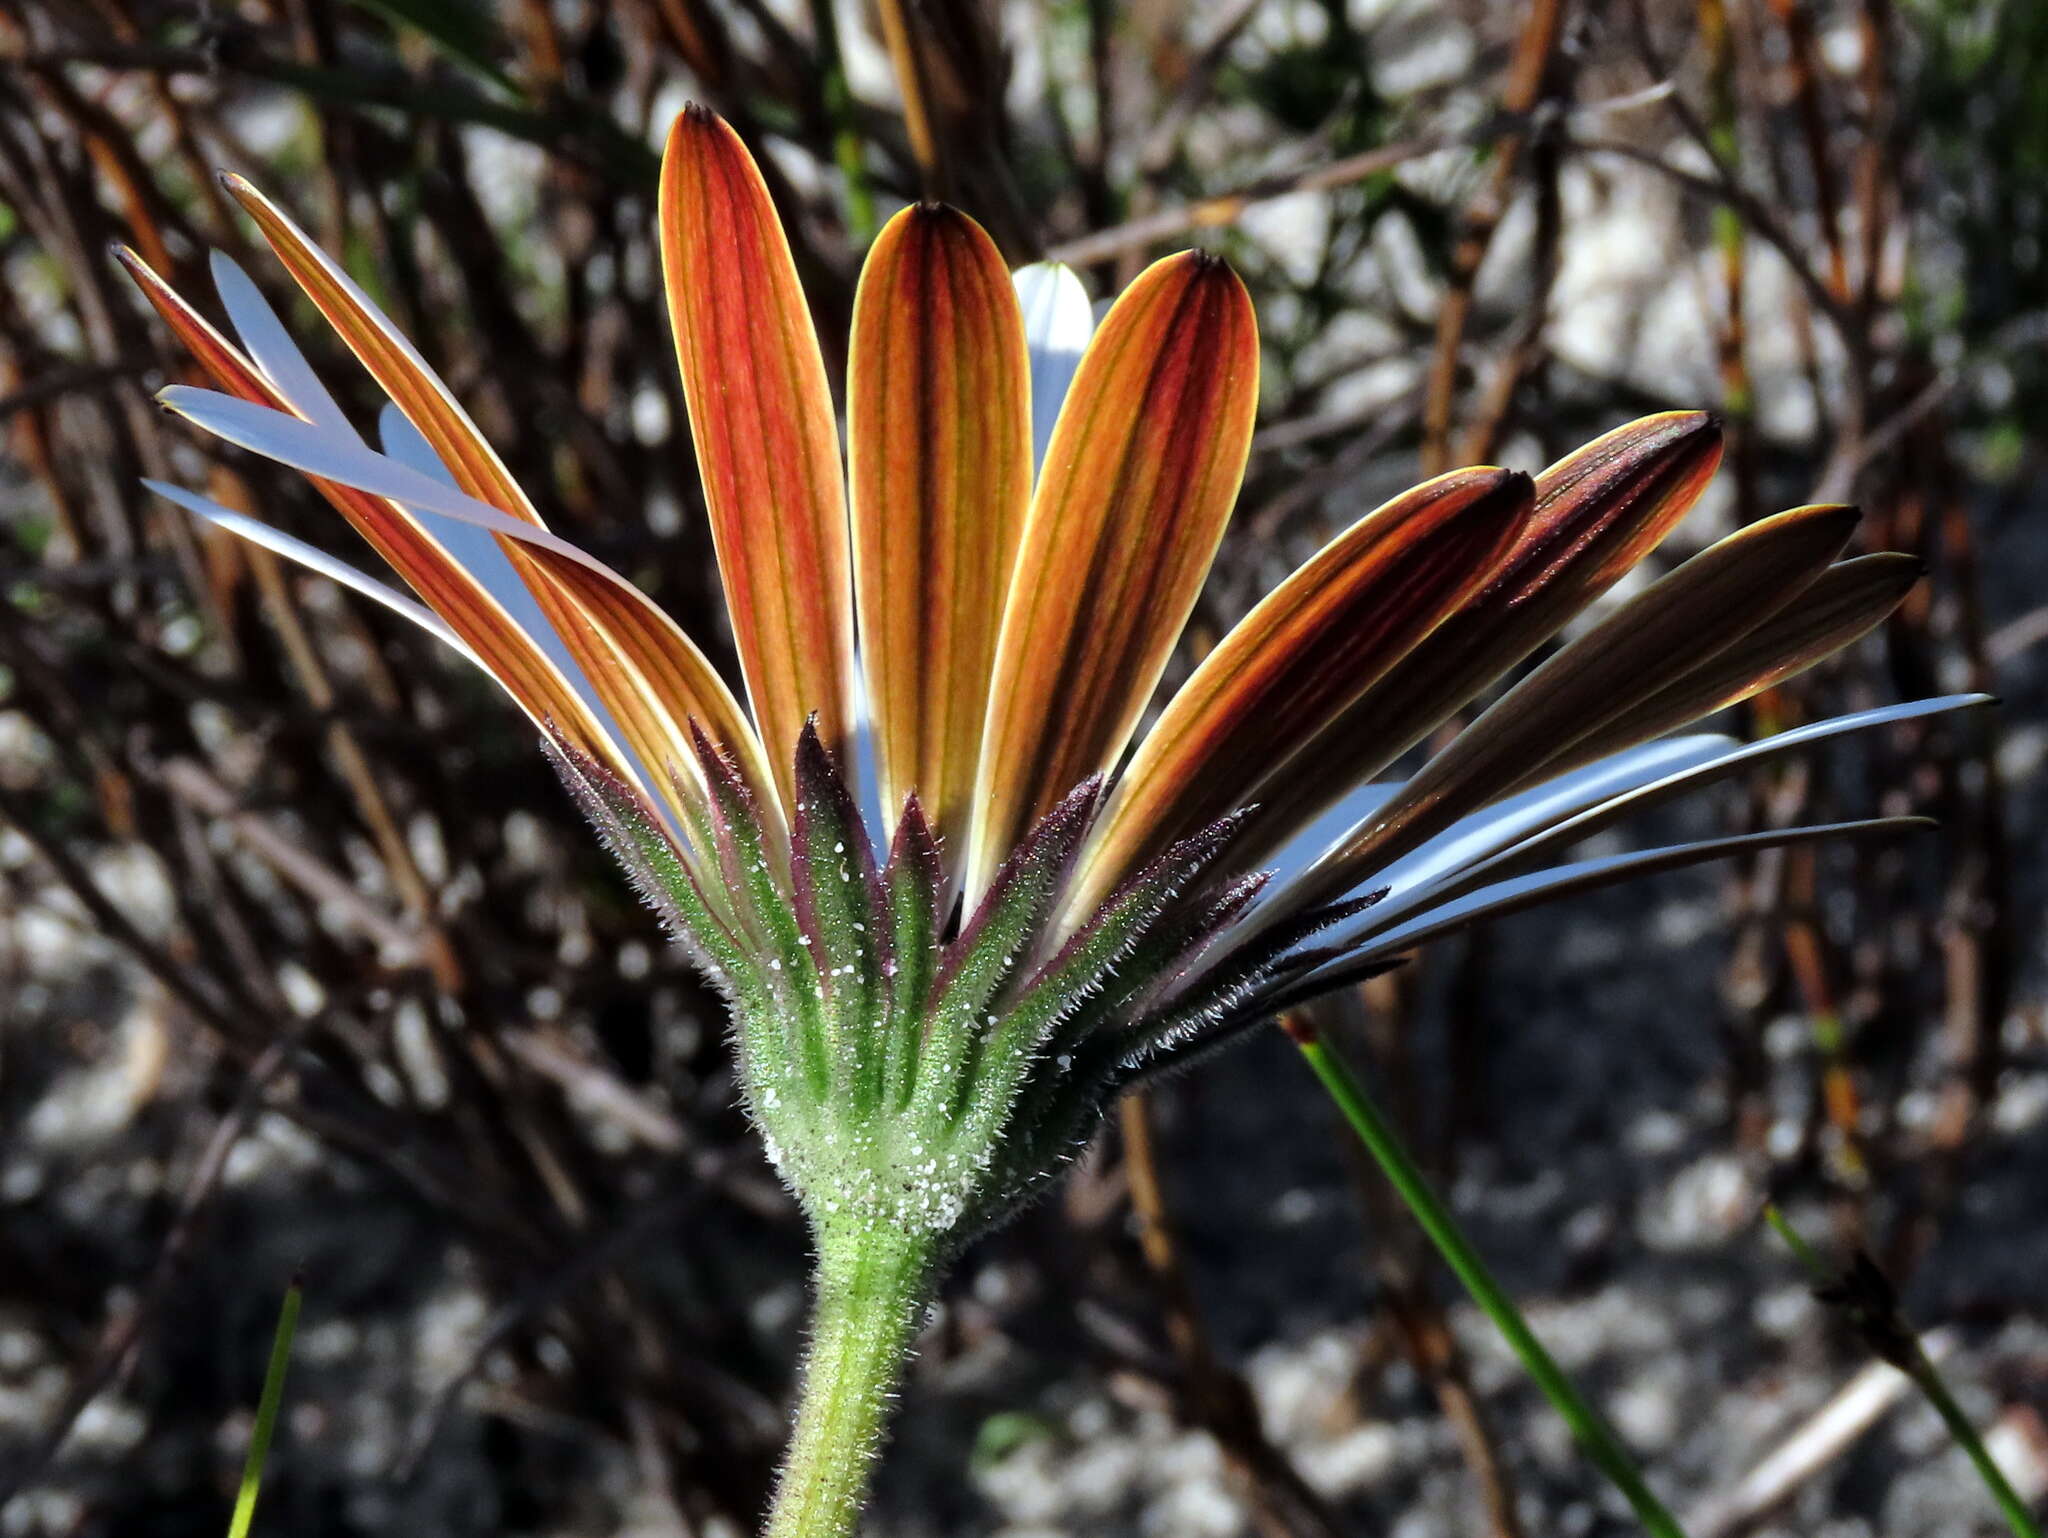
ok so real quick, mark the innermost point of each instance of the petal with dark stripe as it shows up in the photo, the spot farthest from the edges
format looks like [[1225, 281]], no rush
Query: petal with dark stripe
[[1844, 604], [939, 460], [1599, 511], [651, 680], [511, 657], [1314, 645], [648, 674], [1138, 482], [392, 360], [1694, 614], [767, 444]]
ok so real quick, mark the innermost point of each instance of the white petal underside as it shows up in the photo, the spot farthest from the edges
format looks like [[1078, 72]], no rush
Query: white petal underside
[[271, 348], [1480, 868], [313, 559], [1058, 321]]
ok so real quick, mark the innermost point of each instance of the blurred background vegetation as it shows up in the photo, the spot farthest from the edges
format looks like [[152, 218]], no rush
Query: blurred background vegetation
[[304, 958]]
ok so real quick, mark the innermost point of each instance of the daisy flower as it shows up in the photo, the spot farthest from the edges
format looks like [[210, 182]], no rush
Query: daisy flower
[[963, 620]]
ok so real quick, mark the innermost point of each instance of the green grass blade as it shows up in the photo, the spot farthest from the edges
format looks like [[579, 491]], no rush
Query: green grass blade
[[1929, 1381], [1593, 1434], [1899, 1344], [266, 1412]]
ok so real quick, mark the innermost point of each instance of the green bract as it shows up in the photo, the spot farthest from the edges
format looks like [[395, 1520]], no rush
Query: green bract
[[913, 1070]]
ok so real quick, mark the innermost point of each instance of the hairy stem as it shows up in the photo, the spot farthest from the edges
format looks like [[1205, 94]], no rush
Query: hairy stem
[[872, 1284]]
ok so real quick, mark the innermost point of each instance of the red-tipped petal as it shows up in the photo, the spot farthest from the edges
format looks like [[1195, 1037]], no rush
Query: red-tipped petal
[[534, 683], [1843, 604], [647, 672], [1137, 484], [391, 359], [1694, 614], [1598, 512], [939, 459], [1315, 645], [761, 416]]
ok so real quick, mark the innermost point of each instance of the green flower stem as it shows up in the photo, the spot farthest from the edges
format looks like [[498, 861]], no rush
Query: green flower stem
[[872, 1286], [1795, 1241], [1599, 1442]]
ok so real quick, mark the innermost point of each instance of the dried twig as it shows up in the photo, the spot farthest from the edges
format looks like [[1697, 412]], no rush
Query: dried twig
[[121, 1340]]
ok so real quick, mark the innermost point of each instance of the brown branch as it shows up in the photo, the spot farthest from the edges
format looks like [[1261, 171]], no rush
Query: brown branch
[[54, 384], [1215, 1397], [1227, 207], [122, 1336], [1804, 52], [1530, 73], [592, 1261], [399, 943]]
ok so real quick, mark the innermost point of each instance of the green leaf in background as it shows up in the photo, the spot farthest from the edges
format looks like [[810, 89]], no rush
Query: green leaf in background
[[462, 32], [266, 1411]]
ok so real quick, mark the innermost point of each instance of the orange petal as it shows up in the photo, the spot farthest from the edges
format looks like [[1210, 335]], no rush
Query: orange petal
[[392, 361], [1605, 506], [1844, 604], [649, 674], [768, 449], [1137, 485], [1312, 647], [1598, 512], [1694, 614], [939, 460], [449, 590]]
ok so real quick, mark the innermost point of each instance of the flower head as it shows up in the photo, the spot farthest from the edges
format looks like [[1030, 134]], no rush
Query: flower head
[[1061, 905]]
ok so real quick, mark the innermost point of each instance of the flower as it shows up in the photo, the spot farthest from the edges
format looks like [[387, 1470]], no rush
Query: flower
[[993, 580], [1016, 597]]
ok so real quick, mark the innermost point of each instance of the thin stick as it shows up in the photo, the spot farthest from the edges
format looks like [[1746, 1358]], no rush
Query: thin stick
[[847, 152], [1227, 207], [1529, 72], [1804, 63], [908, 62], [1213, 1394], [1802, 1454], [1738, 403], [117, 1352]]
